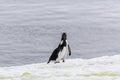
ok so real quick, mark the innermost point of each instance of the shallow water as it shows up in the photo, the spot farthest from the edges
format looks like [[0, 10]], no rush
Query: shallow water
[[31, 29]]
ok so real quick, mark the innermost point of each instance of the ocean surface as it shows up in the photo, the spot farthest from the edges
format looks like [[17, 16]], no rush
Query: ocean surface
[[31, 29]]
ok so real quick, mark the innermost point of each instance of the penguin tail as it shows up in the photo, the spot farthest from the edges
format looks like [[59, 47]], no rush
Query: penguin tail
[[48, 62]]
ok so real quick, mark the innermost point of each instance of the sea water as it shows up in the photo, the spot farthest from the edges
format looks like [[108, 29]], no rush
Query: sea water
[[31, 29]]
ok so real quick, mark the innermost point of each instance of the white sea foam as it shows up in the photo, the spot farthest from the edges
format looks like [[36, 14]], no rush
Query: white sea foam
[[103, 68]]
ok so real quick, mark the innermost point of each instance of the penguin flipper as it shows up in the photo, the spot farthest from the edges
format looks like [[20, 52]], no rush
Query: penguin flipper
[[69, 50]]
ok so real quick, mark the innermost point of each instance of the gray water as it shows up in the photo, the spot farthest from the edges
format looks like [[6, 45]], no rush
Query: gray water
[[31, 29]]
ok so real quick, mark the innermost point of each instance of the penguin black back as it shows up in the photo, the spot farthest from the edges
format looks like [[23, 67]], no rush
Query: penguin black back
[[54, 55]]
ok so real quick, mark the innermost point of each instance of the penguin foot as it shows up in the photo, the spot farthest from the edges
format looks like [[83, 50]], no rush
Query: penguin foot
[[48, 62], [63, 60]]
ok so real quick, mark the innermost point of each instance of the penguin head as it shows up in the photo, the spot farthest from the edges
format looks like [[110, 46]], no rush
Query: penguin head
[[64, 36]]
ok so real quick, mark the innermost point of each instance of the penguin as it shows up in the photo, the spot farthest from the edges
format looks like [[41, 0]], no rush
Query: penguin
[[62, 51]]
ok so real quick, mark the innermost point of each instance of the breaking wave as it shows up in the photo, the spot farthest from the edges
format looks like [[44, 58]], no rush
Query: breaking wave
[[102, 68]]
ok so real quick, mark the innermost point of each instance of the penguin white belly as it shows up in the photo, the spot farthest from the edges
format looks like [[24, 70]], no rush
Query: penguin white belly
[[66, 52], [63, 54]]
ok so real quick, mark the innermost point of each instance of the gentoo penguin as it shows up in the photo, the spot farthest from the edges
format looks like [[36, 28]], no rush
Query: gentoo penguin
[[62, 51]]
